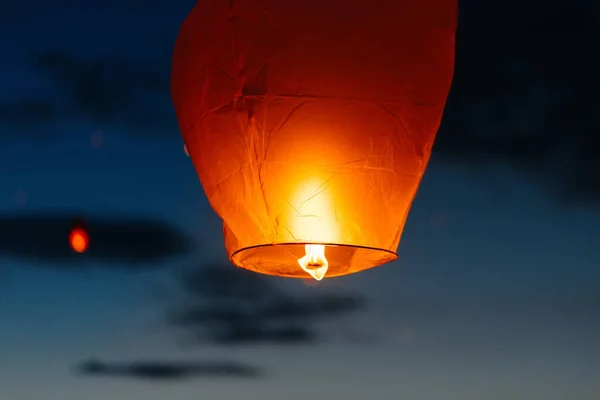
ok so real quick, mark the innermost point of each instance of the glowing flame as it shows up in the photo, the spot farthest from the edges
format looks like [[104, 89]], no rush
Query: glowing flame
[[314, 262], [78, 240]]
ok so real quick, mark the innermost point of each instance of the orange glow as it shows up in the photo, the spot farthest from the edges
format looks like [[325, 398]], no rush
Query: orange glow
[[310, 123], [79, 240]]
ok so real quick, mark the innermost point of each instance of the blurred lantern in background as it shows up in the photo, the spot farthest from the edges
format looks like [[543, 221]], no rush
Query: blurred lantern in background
[[78, 238], [310, 123]]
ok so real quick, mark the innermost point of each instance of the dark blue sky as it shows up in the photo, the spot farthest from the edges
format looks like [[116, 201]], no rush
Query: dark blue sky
[[496, 291]]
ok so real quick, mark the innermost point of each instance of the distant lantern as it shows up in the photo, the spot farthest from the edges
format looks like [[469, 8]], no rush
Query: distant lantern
[[310, 123], [78, 239]]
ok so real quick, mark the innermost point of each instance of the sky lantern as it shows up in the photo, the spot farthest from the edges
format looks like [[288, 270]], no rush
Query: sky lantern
[[79, 239], [310, 123]]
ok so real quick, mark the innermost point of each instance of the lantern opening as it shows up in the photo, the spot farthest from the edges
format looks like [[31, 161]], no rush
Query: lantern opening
[[286, 259], [315, 261], [312, 219]]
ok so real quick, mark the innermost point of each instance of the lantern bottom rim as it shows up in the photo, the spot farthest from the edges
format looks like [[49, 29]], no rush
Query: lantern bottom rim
[[281, 259]]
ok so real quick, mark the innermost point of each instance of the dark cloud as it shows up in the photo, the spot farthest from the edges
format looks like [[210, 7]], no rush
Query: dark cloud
[[127, 240], [113, 90], [249, 333], [225, 305], [168, 370], [525, 92], [322, 305]]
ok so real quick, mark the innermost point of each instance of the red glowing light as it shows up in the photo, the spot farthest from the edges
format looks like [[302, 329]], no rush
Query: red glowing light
[[79, 240]]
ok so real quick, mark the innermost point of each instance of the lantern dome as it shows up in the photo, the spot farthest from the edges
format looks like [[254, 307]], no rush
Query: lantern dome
[[310, 123]]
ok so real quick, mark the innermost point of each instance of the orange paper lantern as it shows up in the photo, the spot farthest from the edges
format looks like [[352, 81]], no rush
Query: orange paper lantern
[[79, 240], [310, 123]]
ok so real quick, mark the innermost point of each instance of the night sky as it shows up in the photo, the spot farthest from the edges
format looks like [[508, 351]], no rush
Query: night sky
[[496, 293]]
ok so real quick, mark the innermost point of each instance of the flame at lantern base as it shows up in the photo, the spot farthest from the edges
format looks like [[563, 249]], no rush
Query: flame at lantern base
[[314, 262]]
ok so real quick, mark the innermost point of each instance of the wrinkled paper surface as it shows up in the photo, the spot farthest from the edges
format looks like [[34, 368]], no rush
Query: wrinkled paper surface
[[312, 121]]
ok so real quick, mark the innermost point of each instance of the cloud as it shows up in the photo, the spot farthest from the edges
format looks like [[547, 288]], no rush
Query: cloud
[[169, 370], [108, 91], [322, 305], [524, 93], [225, 305], [113, 239]]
